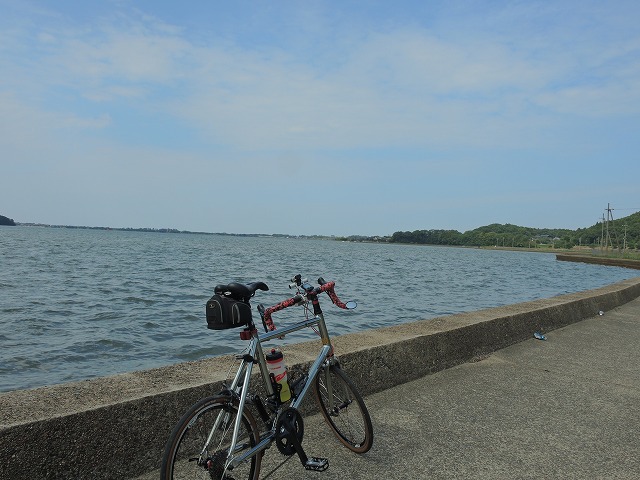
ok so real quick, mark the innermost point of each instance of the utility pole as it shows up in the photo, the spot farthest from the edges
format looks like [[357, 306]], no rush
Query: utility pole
[[608, 238], [612, 233]]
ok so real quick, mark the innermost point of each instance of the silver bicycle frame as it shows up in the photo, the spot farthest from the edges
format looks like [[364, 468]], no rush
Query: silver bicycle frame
[[255, 352]]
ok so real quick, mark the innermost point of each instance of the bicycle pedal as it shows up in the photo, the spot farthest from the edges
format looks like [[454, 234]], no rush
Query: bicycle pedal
[[317, 464]]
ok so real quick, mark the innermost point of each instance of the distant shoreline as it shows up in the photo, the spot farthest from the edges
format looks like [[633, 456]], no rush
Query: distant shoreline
[[174, 230], [583, 251]]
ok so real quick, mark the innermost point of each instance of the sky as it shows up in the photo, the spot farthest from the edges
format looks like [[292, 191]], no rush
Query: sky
[[319, 118]]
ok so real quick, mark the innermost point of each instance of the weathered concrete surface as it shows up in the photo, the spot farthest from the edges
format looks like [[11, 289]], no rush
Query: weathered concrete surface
[[115, 427]]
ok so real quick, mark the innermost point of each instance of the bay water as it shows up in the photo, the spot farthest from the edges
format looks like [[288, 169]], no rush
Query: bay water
[[80, 303]]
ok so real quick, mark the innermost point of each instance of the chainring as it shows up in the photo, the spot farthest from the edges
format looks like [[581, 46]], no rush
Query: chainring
[[289, 418]]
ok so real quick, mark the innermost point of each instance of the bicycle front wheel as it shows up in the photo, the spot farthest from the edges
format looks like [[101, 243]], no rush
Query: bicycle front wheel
[[198, 447], [343, 409]]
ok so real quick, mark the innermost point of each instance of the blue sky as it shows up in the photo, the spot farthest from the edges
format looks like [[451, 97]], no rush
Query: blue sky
[[337, 117]]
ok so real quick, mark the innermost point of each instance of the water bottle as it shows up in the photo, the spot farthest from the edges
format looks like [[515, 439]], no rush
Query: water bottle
[[275, 364]]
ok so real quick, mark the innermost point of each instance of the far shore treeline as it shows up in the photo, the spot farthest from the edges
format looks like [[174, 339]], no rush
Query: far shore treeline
[[623, 233]]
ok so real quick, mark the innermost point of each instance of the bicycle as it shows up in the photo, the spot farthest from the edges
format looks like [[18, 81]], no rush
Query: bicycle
[[219, 436]]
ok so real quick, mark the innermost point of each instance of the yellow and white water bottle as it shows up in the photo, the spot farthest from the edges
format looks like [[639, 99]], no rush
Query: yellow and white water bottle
[[276, 366]]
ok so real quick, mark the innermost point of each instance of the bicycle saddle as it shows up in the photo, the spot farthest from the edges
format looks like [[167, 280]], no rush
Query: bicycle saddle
[[239, 291]]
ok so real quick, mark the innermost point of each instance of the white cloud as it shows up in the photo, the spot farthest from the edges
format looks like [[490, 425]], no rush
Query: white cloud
[[105, 96], [405, 86], [593, 101], [25, 127]]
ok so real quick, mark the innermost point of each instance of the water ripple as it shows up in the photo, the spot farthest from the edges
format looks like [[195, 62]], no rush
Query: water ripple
[[77, 304]]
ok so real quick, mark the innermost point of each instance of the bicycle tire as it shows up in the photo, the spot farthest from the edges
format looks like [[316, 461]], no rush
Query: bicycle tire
[[187, 440], [349, 419]]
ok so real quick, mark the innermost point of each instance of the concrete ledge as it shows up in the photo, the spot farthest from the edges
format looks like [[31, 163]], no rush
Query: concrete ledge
[[115, 427], [613, 262]]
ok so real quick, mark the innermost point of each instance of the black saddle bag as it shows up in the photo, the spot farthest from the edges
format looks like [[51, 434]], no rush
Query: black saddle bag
[[225, 312]]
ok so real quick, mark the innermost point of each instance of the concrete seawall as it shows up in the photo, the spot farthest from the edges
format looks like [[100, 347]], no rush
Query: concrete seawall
[[115, 427], [613, 262]]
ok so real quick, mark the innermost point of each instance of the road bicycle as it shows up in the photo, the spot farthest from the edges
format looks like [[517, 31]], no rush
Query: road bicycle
[[220, 437]]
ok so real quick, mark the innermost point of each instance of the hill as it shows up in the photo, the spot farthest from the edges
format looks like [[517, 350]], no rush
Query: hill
[[496, 234], [7, 221], [623, 232]]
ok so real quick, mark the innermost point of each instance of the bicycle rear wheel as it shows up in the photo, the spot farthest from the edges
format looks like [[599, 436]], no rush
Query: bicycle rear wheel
[[198, 446], [343, 409]]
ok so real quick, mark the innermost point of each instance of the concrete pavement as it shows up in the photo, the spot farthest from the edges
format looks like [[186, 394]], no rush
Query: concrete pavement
[[564, 408]]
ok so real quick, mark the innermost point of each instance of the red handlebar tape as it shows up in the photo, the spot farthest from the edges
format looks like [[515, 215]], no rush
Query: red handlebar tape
[[327, 287]]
